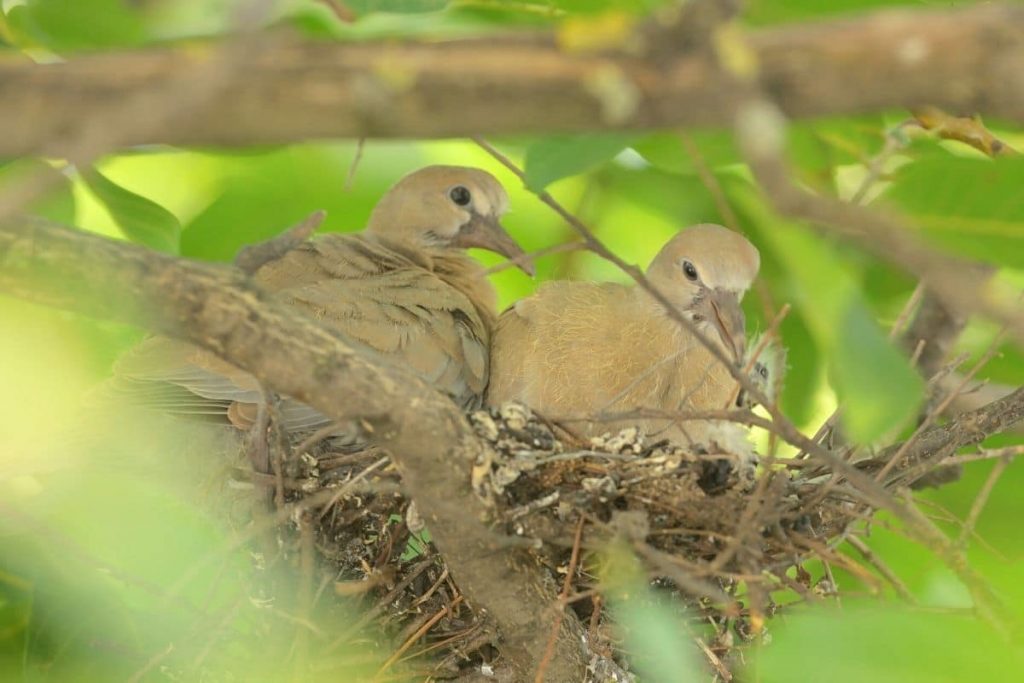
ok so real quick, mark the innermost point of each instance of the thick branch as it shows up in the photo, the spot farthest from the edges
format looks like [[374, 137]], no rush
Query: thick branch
[[965, 429], [218, 308], [965, 60]]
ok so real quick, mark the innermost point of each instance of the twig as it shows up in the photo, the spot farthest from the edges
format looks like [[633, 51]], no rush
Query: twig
[[253, 257], [556, 625], [534, 255], [984, 454], [420, 632], [350, 178], [981, 499], [151, 664], [882, 567], [342, 11]]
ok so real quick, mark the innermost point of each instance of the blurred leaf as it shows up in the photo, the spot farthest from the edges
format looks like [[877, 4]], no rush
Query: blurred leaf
[[877, 388], [772, 11], [361, 7], [604, 6], [799, 388], [57, 204], [660, 645], [265, 192], [890, 645], [76, 24], [550, 159], [973, 207], [140, 219]]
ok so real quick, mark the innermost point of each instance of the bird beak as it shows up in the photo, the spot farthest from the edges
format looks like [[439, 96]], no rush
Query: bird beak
[[727, 316], [486, 232]]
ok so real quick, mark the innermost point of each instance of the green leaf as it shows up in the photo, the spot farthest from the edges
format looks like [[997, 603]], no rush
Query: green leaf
[[140, 219], [77, 24], [972, 207], [660, 645], [878, 390], [667, 152], [890, 645], [773, 11], [552, 158]]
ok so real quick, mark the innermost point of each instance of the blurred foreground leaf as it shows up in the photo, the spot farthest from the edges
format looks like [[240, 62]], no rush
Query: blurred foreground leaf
[[660, 645], [75, 24], [887, 645], [878, 390], [972, 207]]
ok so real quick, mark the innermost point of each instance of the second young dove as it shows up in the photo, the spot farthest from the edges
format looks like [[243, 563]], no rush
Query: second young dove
[[582, 349], [403, 291]]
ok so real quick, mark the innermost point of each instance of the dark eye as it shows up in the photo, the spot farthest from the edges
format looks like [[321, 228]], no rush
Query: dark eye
[[762, 370], [460, 195], [690, 271]]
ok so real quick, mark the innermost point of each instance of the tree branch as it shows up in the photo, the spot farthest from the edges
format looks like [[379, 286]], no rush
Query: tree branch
[[964, 60], [220, 309], [940, 442]]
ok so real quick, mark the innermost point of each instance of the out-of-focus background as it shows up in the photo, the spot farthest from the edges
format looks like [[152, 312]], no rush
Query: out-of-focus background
[[118, 558]]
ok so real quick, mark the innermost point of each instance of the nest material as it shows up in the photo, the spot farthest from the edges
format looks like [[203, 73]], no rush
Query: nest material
[[687, 506]]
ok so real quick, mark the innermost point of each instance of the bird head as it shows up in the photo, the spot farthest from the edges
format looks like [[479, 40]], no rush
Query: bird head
[[447, 207], [767, 369], [704, 271]]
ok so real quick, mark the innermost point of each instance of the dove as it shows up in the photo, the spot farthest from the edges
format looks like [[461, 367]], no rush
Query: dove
[[403, 291], [577, 350], [766, 370]]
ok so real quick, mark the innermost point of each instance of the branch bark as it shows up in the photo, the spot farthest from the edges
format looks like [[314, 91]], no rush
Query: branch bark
[[220, 309], [966, 429], [964, 60]]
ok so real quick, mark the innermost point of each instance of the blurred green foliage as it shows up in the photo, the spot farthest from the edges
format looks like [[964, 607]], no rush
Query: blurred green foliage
[[117, 555]]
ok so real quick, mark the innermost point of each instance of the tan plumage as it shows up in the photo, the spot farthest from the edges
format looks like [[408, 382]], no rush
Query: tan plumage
[[582, 349], [403, 291]]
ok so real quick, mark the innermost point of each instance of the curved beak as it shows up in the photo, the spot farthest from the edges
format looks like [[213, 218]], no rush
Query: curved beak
[[486, 232], [727, 317]]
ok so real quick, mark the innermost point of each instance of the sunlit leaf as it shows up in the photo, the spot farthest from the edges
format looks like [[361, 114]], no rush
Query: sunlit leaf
[[76, 24], [887, 645], [973, 207], [772, 11], [140, 219], [550, 159]]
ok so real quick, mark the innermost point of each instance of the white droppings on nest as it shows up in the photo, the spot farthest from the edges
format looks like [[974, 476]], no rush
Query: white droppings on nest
[[413, 521], [515, 415], [503, 476], [628, 440], [603, 486], [485, 425]]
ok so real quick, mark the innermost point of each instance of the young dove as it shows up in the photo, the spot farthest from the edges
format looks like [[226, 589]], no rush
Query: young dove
[[577, 349], [403, 291]]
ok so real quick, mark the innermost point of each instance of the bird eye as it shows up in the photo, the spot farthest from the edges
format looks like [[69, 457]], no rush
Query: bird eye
[[460, 195], [690, 271], [762, 370]]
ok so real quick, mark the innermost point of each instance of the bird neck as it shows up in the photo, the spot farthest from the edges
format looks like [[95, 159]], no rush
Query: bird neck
[[466, 275], [455, 268]]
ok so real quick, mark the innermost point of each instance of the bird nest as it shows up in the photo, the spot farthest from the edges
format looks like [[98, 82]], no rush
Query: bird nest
[[722, 538]]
